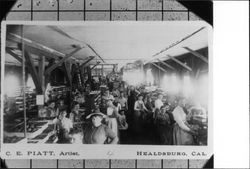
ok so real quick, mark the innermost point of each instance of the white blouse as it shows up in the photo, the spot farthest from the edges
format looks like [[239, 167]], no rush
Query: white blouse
[[180, 117]]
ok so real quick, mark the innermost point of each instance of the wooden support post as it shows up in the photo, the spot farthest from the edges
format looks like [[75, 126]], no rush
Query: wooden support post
[[89, 74], [159, 67], [197, 54], [41, 68], [33, 72], [180, 63], [62, 60], [24, 85], [67, 69], [197, 74], [164, 63], [31, 68]]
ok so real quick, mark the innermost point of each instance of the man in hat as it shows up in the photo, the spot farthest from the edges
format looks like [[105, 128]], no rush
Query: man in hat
[[98, 133]]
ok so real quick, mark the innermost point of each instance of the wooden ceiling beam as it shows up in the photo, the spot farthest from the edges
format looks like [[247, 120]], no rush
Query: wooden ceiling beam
[[180, 63], [51, 68], [95, 53], [87, 61], [159, 67], [9, 50], [95, 65], [197, 54], [31, 45], [164, 63]]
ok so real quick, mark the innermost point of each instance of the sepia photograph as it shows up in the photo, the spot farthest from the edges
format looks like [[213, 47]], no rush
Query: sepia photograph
[[122, 84]]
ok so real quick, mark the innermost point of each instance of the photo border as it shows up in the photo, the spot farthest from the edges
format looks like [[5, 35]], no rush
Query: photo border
[[20, 151]]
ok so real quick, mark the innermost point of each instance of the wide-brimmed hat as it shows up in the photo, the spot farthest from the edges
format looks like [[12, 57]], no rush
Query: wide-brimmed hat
[[96, 113]]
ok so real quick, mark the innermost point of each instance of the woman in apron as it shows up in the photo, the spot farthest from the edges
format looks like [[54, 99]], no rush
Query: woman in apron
[[112, 115], [139, 109], [182, 133]]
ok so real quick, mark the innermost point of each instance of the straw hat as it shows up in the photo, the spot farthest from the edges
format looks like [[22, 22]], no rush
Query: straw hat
[[96, 113]]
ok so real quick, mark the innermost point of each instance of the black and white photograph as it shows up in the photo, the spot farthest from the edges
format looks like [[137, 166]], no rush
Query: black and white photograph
[[117, 85]]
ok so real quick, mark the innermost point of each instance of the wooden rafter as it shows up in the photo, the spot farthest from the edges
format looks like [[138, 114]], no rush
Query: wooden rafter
[[197, 54], [8, 50], [39, 52], [180, 63], [164, 63], [95, 65], [178, 42], [159, 67], [95, 52], [31, 45], [48, 70], [87, 61]]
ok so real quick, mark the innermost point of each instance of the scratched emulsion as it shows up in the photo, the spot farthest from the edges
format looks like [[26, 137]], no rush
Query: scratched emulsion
[[101, 10]]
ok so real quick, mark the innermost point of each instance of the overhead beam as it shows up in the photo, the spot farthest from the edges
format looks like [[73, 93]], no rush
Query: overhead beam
[[48, 70], [159, 67], [87, 61], [164, 63], [31, 44], [95, 65], [39, 52], [178, 42], [108, 64], [197, 54], [8, 50], [33, 72], [180, 63], [95, 52]]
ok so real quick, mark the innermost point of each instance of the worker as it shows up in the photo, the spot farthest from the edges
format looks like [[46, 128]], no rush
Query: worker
[[158, 102], [112, 116], [97, 132], [63, 127], [182, 132], [139, 110]]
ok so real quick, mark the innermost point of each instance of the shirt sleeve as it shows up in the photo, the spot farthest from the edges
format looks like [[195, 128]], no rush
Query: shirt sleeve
[[157, 104], [136, 106], [179, 120], [109, 133]]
